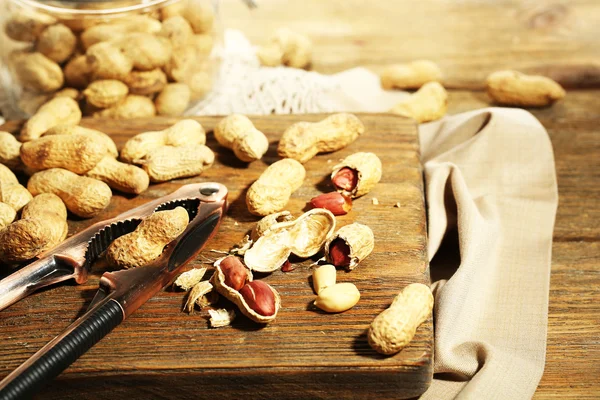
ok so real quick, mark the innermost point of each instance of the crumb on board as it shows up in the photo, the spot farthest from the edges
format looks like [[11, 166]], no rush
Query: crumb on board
[[221, 317], [375, 201], [397, 205]]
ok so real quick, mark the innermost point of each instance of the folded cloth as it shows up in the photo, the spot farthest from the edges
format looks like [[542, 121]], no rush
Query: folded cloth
[[490, 177]]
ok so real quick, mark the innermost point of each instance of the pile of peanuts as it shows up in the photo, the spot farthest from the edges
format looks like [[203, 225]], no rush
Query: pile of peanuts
[[131, 67], [76, 169]]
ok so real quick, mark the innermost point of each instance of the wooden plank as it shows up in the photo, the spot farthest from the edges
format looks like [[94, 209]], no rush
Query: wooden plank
[[469, 39], [159, 346], [573, 351]]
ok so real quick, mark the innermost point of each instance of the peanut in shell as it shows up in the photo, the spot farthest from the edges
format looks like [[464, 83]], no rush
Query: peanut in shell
[[359, 240], [169, 162], [368, 168], [7, 214], [105, 93]]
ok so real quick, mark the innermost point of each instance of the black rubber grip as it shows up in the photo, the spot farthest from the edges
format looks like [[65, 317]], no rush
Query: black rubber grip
[[64, 353]]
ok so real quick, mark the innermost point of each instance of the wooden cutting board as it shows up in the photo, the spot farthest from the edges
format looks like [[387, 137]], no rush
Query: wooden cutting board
[[162, 352]]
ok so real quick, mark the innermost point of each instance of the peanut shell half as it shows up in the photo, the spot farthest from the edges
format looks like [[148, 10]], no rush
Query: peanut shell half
[[218, 281], [303, 237]]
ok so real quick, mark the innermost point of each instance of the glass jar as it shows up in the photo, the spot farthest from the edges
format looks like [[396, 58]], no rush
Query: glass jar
[[164, 51]]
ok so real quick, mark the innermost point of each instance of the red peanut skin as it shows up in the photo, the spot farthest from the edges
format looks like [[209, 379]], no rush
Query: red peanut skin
[[234, 272], [339, 253], [335, 202], [259, 297], [345, 179], [287, 266]]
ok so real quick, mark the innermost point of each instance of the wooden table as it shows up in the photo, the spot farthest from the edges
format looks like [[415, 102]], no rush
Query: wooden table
[[470, 39]]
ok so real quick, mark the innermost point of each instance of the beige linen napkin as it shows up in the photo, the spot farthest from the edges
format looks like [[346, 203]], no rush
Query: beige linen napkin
[[490, 177]]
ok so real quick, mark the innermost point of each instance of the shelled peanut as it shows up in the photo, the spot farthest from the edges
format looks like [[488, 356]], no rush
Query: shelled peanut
[[147, 242], [338, 297], [337, 203], [43, 225], [257, 300], [143, 51]]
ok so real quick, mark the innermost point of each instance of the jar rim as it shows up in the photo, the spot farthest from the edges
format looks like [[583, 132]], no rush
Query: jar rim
[[146, 5]]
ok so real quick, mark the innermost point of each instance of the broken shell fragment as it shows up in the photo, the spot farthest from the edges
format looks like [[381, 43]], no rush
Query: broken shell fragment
[[265, 223], [221, 317], [350, 245], [208, 299], [240, 248], [189, 279], [199, 290], [303, 237], [357, 174]]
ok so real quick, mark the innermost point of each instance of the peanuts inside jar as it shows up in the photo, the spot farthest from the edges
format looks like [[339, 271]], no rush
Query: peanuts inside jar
[[117, 59]]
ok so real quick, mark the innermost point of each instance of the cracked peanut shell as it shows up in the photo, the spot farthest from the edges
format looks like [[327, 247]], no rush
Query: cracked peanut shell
[[359, 239], [304, 237], [367, 166]]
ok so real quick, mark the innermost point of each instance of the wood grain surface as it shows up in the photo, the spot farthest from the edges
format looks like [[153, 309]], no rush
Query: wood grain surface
[[468, 38], [160, 351]]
